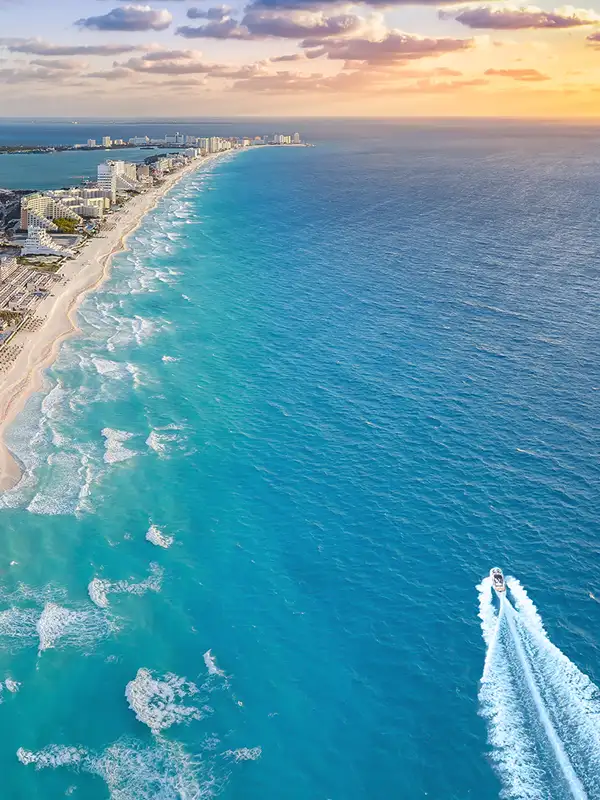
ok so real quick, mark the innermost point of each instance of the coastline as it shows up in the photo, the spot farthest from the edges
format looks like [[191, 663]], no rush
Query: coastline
[[84, 273]]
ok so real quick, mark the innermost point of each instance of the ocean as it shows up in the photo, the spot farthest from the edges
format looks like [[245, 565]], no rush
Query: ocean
[[323, 392], [44, 171]]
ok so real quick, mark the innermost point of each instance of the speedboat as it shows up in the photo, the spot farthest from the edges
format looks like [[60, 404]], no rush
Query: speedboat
[[498, 580]]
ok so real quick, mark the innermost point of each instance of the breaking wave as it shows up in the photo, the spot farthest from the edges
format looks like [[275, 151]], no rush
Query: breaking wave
[[100, 588], [81, 628], [244, 753], [133, 771], [115, 449], [158, 702], [40, 617], [543, 712], [211, 664], [155, 536]]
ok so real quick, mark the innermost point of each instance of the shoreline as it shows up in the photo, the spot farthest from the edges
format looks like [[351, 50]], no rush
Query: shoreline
[[84, 273]]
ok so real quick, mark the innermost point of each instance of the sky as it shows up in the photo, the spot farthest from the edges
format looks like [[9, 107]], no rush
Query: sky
[[393, 58]]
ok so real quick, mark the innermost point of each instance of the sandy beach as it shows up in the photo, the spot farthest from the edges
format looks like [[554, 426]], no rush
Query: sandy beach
[[83, 273]]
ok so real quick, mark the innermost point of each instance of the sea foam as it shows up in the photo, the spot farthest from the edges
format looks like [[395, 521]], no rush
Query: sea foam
[[100, 588], [244, 753], [160, 440], [81, 628], [543, 712], [133, 771], [157, 537], [211, 664], [115, 449], [158, 702]]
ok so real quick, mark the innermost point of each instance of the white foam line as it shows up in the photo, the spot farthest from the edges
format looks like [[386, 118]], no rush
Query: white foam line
[[575, 785], [490, 621]]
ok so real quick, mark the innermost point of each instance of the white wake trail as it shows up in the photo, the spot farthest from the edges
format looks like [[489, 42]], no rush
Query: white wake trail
[[562, 758], [543, 713]]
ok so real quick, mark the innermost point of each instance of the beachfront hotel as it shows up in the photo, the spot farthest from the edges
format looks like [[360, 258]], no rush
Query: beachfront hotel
[[40, 243], [56, 221], [207, 144], [114, 176], [40, 209]]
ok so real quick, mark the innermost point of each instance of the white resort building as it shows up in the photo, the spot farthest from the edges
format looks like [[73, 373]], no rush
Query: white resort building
[[85, 202], [39, 210], [115, 176], [40, 243]]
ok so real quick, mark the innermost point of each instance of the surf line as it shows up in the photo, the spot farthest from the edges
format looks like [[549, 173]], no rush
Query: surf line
[[573, 782]]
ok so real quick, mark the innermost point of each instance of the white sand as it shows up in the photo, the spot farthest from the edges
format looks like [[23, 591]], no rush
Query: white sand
[[85, 272]]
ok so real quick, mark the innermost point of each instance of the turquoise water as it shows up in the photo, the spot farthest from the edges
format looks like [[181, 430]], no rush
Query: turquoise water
[[340, 383], [54, 170]]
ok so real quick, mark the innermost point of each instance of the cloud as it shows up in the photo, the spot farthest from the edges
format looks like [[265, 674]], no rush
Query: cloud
[[38, 47], [526, 75], [292, 57], [247, 71], [594, 39], [258, 24], [114, 74], [299, 24], [395, 46], [29, 75], [173, 66], [68, 64], [357, 81], [524, 17], [321, 5], [183, 82], [437, 72], [224, 29], [171, 55], [129, 18], [215, 13]]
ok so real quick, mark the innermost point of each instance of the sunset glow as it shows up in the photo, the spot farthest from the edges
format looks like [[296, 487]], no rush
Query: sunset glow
[[299, 57]]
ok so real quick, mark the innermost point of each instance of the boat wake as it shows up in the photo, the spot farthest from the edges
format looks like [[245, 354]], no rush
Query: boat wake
[[543, 713]]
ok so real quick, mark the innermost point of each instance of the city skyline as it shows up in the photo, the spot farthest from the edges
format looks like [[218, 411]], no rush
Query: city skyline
[[298, 57]]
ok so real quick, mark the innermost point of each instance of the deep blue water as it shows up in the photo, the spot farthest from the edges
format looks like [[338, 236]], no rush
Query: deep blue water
[[346, 380]]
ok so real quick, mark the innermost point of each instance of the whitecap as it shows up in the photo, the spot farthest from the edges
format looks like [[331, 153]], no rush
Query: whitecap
[[157, 537], [100, 588], [80, 628], [159, 441], [115, 449], [143, 329], [53, 401], [135, 373], [61, 488], [106, 367], [244, 753], [133, 771], [88, 474], [157, 702], [18, 625], [54, 756], [211, 664]]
